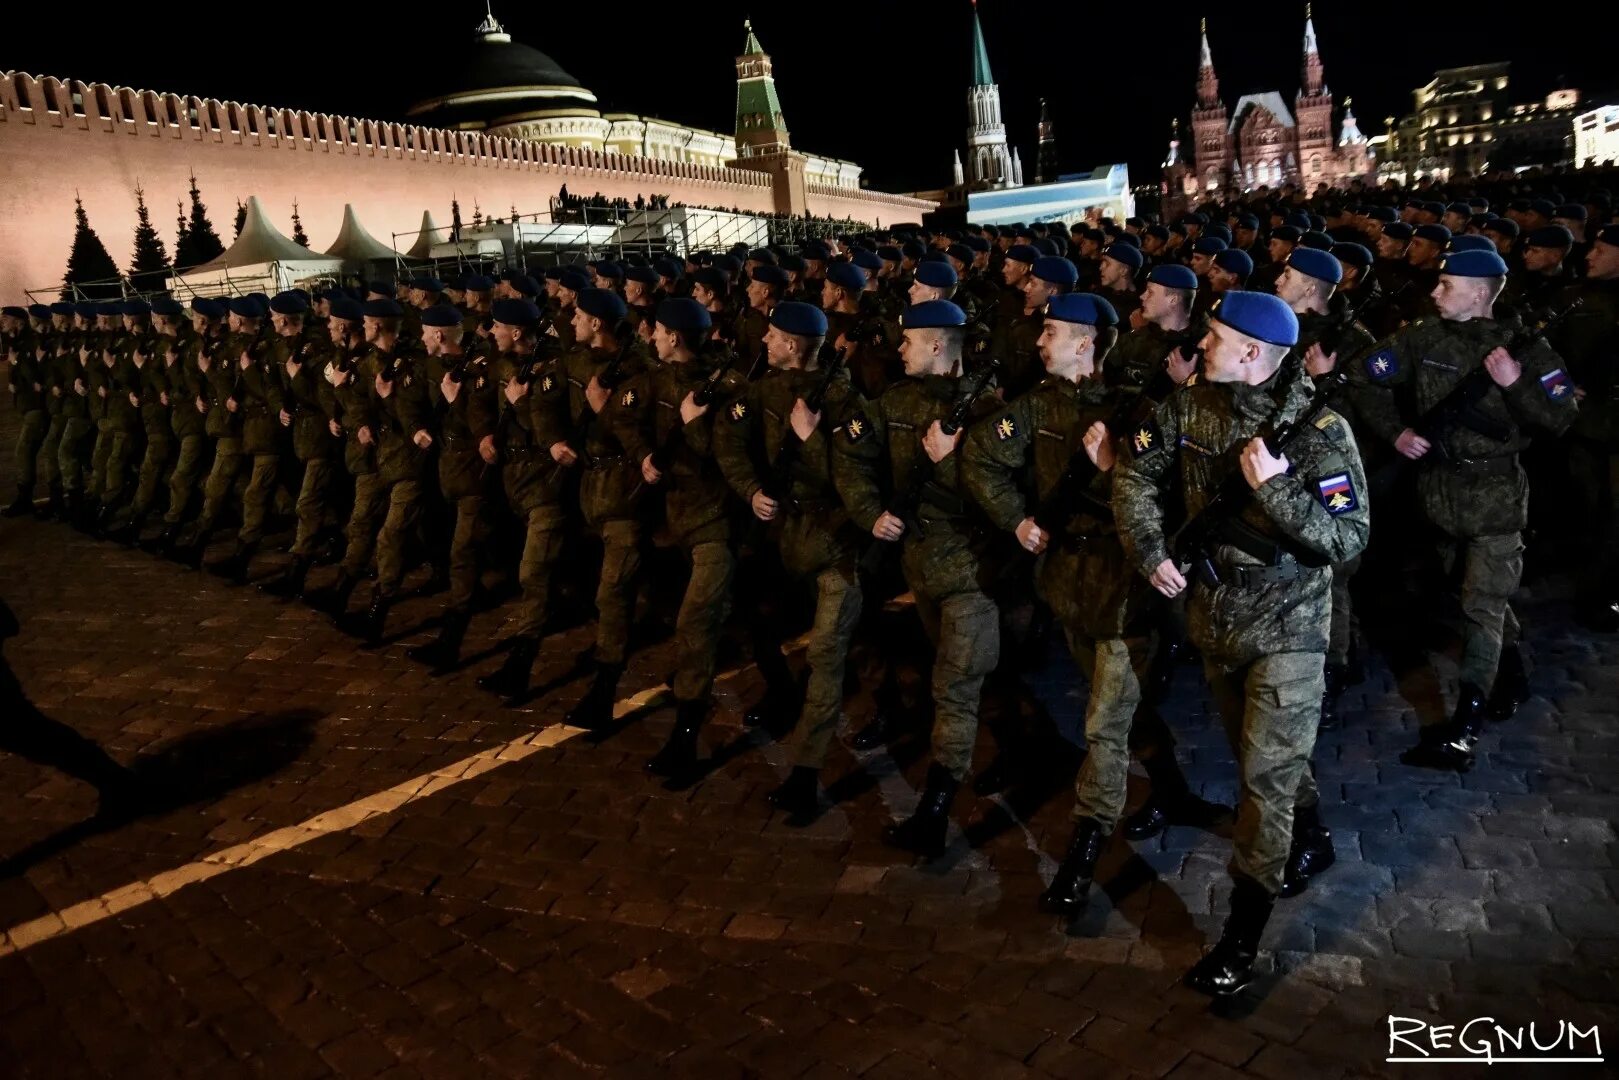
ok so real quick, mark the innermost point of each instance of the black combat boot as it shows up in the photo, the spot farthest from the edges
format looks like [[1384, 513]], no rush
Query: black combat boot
[[924, 831], [1450, 745], [129, 532], [22, 504], [595, 709], [85, 513], [1229, 966], [511, 679], [190, 551], [376, 618], [1336, 678], [104, 517], [165, 542], [1169, 803], [443, 652], [1311, 852], [56, 507], [233, 567], [678, 758], [334, 599], [1511, 687], [438, 581], [1072, 885], [798, 796], [289, 584], [777, 708]]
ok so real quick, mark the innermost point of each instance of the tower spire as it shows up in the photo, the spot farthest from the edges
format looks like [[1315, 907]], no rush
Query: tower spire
[[1208, 83], [760, 127], [981, 72], [1314, 77]]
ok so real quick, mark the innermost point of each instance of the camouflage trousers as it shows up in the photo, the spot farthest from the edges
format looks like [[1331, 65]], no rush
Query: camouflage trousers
[[1115, 723], [115, 448], [1491, 567], [1270, 708], [70, 451], [542, 547], [30, 437], [229, 461], [370, 496], [701, 618], [183, 478], [838, 601], [468, 533], [1341, 635], [404, 500], [965, 629], [311, 506], [159, 450], [615, 593], [49, 468]]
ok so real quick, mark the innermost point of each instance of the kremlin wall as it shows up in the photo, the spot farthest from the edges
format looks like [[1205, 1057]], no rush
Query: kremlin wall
[[58, 139]]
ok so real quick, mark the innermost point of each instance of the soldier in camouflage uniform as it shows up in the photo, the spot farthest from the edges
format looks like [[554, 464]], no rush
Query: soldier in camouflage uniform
[[945, 553], [810, 528], [298, 356], [660, 425], [71, 376], [1016, 339], [21, 349], [1107, 612], [56, 340], [185, 383], [1261, 609], [150, 388], [109, 413], [850, 324], [1470, 485]]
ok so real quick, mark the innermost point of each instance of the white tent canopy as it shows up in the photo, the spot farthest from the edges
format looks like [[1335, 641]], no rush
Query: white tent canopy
[[263, 259], [356, 247], [429, 235]]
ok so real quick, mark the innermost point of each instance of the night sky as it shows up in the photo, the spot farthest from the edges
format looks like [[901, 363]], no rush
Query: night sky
[[879, 82]]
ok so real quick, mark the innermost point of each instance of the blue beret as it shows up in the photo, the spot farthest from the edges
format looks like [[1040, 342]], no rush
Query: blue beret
[[1459, 208], [1608, 234], [1218, 230], [1503, 225], [1157, 230], [1128, 238], [890, 253], [1129, 255], [1235, 261], [1399, 230], [209, 309], [1057, 270], [552, 273], [1247, 221], [728, 264], [960, 252], [1316, 239], [763, 255], [1087, 308], [1299, 219], [684, 315], [61, 307], [1478, 202], [1025, 253], [1571, 212], [441, 315], [1259, 315], [1434, 207], [668, 268], [477, 283], [574, 279], [1474, 264], [817, 249], [1436, 233], [1543, 206], [1352, 255], [931, 314], [913, 249], [427, 283], [847, 276], [381, 309], [515, 312], [15, 311], [1466, 242], [795, 317], [867, 260], [936, 273], [90, 310], [1386, 214], [978, 244], [40, 311], [610, 270], [1552, 236], [1045, 245], [249, 307], [1209, 245], [1173, 276], [137, 307], [527, 286], [770, 274], [792, 262], [934, 256], [710, 278], [291, 302], [1317, 264], [602, 304], [1290, 233], [644, 274], [381, 285]]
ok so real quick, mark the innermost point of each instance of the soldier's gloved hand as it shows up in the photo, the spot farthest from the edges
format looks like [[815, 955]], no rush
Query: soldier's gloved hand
[[1099, 446], [563, 454], [689, 409], [1259, 464], [487, 451], [764, 507], [286, 418], [888, 527], [596, 395], [650, 472], [1411, 445], [1504, 370], [939, 445], [1031, 536], [1318, 363], [804, 422], [422, 438], [1168, 579]]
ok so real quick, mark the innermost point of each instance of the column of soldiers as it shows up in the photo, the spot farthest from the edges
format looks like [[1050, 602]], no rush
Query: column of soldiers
[[1172, 435]]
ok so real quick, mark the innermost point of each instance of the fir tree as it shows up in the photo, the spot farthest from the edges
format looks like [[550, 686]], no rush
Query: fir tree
[[182, 231], [298, 235], [241, 218], [477, 216], [89, 262], [151, 260], [455, 221], [201, 243]]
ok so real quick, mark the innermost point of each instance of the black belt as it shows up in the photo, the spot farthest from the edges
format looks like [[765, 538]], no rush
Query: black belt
[[604, 462], [1257, 577], [1499, 465]]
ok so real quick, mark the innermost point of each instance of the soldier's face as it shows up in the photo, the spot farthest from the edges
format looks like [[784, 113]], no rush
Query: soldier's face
[[916, 351], [1421, 251], [1201, 264], [1152, 245], [1454, 222], [1036, 291], [1224, 280], [1455, 296], [373, 329], [702, 294], [1602, 262], [433, 340], [919, 292], [1538, 260], [1279, 250], [758, 294], [1390, 248], [1228, 357], [1014, 271], [1116, 275], [781, 349], [634, 291], [567, 297], [583, 325], [665, 342], [505, 336], [1065, 349]]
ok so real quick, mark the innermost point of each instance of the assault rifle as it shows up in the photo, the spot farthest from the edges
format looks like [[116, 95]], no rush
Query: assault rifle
[[608, 379], [703, 396], [778, 482], [920, 486], [1071, 490]]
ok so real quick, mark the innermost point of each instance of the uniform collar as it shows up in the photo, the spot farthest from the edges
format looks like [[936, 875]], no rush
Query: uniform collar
[[942, 387]]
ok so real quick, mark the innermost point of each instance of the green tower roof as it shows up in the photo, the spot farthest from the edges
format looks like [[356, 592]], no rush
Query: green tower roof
[[751, 47], [981, 75]]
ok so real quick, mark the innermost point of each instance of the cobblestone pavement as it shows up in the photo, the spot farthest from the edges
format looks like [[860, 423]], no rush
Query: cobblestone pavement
[[554, 912]]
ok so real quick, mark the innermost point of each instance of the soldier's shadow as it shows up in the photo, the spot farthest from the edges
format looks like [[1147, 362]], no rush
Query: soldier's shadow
[[191, 769]]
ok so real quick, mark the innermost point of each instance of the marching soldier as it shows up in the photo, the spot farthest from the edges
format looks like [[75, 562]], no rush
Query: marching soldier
[[298, 357], [22, 349], [185, 382], [149, 388]]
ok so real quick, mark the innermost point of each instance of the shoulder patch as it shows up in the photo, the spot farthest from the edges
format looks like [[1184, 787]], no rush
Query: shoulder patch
[[547, 384], [1146, 439], [856, 428], [1382, 365], [628, 399], [1325, 421], [737, 411], [1556, 384], [1006, 428], [1337, 493]]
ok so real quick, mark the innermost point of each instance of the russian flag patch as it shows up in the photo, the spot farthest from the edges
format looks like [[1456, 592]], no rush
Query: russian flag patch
[[1556, 384], [1337, 493]]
